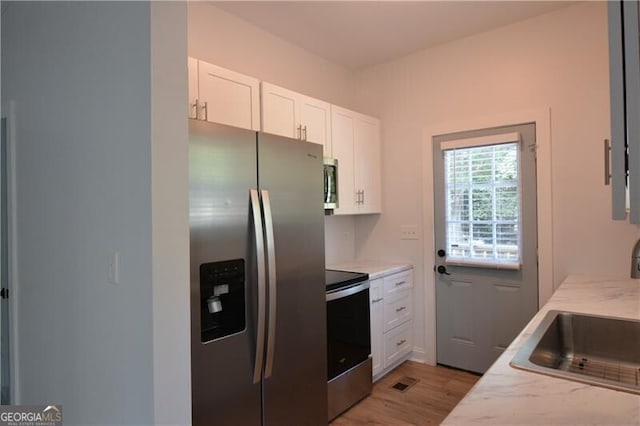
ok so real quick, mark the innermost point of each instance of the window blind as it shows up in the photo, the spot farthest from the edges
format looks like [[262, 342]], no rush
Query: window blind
[[482, 185], [481, 141]]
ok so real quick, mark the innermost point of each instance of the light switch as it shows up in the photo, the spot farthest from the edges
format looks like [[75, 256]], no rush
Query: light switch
[[409, 232]]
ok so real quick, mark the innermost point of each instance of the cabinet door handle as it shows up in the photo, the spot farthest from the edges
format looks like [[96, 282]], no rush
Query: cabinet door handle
[[607, 162], [363, 196], [304, 129], [377, 300], [400, 309], [399, 283], [205, 108], [194, 110], [401, 342], [299, 132]]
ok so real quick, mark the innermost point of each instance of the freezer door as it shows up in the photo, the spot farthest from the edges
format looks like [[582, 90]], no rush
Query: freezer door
[[291, 183], [222, 171]]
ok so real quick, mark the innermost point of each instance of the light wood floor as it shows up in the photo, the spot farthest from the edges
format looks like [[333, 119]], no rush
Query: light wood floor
[[427, 402]]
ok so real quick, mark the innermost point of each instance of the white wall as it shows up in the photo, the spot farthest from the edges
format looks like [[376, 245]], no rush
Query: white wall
[[223, 39], [339, 235], [80, 76], [559, 60]]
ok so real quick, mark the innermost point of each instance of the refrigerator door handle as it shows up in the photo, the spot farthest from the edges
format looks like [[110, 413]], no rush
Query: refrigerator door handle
[[262, 287], [271, 266]]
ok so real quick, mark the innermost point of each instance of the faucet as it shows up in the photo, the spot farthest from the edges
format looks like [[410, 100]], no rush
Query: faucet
[[635, 261]]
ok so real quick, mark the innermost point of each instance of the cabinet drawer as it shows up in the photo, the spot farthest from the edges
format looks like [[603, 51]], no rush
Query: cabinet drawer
[[398, 343], [398, 282], [398, 308]]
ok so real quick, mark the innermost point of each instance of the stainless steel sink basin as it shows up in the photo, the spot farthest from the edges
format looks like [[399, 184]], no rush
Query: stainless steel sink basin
[[600, 351]]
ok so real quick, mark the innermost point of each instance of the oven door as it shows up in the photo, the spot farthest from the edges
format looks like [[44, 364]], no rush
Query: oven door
[[348, 328]]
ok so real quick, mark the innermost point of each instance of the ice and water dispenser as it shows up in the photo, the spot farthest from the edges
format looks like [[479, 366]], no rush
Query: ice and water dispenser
[[222, 299]]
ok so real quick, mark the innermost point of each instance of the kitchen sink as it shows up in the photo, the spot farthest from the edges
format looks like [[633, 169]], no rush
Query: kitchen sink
[[597, 350]]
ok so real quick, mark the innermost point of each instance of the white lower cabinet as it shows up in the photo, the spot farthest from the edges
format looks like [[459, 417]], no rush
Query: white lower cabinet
[[397, 309], [397, 343], [375, 295], [391, 321]]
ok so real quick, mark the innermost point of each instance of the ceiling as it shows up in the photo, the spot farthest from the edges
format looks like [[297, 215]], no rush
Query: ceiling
[[358, 34]]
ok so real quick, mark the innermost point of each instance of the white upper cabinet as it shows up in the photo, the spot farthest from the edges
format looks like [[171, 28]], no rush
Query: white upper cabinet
[[279, 111], [342, 135], [356, 146], [223, 96], [315, 119], [367, 163], [291, 114]]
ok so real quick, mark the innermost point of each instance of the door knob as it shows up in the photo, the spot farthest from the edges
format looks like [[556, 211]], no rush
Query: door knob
[[442, 270]]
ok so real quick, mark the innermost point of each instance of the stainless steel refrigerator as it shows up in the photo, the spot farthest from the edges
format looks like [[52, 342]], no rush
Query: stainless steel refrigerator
[[258, 313]]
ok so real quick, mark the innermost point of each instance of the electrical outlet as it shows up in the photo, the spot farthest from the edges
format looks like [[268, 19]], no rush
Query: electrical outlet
[[409, 232]]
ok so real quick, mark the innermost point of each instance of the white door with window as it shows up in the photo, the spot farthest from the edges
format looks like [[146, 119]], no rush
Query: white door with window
[[486, 242]]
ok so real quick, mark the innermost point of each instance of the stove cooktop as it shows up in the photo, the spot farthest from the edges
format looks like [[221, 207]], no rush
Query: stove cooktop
[[337, 279]]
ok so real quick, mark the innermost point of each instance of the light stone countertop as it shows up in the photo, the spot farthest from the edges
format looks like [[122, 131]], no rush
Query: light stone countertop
[[507, 396], [375, 269]]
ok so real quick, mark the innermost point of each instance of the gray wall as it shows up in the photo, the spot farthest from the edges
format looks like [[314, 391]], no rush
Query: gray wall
[[170, 213], [79, 74]]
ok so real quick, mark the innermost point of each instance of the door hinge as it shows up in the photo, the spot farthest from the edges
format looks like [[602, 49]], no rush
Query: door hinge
[[533, 148], [4, 293]]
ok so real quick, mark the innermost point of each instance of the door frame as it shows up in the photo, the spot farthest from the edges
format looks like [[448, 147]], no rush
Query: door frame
[[541, 117], [8, 111]]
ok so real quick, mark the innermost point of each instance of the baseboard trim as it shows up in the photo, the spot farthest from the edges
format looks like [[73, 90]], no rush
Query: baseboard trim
[[419, 355]]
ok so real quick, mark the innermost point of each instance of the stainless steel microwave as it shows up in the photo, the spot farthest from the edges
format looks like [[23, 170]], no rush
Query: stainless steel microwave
[[330, 183]]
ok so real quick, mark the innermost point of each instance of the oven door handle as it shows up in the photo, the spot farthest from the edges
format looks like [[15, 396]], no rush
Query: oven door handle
[[347, 291]]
